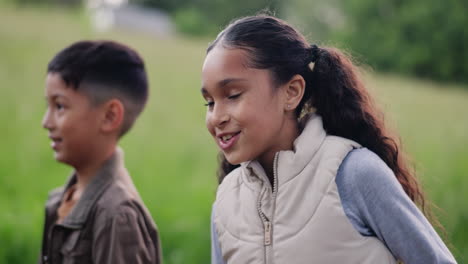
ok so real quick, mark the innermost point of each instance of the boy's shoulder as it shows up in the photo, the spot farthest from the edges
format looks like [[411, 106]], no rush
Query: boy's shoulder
[[120, 198]]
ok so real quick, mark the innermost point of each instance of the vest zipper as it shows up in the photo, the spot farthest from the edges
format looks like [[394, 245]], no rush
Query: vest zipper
[[265, 221], [267, 224]]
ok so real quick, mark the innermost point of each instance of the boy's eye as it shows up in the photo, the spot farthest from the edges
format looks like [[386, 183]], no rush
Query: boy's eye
[[58, 106], [209, 104]]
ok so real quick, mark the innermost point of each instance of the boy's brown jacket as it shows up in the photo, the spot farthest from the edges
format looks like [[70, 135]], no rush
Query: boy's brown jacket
[[109, 224]]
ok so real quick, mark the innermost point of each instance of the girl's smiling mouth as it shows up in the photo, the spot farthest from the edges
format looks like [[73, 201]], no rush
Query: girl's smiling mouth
[[227, 140]]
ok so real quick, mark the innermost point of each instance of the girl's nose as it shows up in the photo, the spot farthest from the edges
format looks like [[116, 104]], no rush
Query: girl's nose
[[219, 116]]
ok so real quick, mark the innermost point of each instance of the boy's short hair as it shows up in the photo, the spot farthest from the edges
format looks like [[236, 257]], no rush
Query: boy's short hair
[[104, 70]]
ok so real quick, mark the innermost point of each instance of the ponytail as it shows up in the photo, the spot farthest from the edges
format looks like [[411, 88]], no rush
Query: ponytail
[[347, 110]]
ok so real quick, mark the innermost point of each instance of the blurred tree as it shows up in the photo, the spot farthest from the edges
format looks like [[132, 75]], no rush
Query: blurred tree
[[167, 5], [317, 18], [427, 38], [207, 17], [67, 3]]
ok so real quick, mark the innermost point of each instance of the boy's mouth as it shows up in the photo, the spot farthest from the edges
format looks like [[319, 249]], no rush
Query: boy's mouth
[[55, 142]]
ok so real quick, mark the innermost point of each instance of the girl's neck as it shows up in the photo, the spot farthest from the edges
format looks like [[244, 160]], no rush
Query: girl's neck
[[285, 140]]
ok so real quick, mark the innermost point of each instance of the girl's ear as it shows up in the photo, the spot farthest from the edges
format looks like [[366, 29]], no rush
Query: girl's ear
[[294, 92], [113, 116]]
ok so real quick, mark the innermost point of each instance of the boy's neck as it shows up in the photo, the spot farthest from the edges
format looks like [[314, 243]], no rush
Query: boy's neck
[[86, 172]]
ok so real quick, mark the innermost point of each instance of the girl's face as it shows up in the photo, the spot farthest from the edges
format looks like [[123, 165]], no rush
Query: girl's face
[[245, 112]]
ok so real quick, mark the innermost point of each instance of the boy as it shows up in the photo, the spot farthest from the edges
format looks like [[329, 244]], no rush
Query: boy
[[95, 90]]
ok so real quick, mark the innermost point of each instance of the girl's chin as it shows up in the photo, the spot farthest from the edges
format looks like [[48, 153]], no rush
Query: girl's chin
[[234, 159]]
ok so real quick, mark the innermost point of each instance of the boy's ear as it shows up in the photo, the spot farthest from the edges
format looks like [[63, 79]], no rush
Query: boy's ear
[[294, 92], [113, 116]]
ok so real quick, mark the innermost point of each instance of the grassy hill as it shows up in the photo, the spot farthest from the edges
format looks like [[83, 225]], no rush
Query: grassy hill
[[169, 152]]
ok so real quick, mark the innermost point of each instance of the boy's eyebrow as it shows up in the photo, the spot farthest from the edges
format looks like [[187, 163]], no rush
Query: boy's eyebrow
[[55, 96], [224, 83]]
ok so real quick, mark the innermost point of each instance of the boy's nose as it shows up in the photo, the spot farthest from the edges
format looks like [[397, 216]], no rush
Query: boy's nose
[[46, 120]]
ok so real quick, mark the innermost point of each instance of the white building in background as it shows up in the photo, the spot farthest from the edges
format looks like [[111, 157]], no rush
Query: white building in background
[[119, 14]]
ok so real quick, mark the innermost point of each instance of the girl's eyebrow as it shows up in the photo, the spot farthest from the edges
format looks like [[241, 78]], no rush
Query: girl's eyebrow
[[224, 83]]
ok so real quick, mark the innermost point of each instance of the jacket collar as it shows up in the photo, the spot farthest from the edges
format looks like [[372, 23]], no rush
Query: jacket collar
[[96, 187], [291, 162]]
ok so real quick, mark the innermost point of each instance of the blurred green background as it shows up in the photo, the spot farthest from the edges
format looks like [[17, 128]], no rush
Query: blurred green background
[[169, 153]]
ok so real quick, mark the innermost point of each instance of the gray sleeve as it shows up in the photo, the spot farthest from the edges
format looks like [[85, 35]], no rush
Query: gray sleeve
[[377, 205], [216, 256]]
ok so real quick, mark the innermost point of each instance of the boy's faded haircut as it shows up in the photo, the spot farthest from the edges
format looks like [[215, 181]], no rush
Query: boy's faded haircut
[[103, 70]]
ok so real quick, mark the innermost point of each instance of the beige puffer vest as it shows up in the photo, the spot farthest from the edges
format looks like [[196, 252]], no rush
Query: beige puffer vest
[[298, 220]]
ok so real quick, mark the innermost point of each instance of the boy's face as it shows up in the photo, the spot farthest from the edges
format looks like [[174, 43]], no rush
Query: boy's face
[[73, 123]]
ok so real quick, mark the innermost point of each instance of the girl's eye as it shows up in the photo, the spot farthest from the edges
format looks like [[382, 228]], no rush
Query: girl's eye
[[234, 96]]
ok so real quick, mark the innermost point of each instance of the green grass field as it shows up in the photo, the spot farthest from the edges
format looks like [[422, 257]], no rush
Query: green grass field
[[169, 152]]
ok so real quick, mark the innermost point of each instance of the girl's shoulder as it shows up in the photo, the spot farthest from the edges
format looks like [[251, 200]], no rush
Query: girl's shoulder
[[361, 169], [366, 185], [363, 179], [230, 182]]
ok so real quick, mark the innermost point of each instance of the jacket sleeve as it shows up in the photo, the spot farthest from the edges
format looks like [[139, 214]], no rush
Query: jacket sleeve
[[125, 237], [216, 255]]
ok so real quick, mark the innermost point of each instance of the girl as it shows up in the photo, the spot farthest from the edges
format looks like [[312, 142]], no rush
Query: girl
[[316, 176]]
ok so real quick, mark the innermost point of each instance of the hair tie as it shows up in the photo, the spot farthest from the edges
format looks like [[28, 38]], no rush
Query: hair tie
[[313, 54]]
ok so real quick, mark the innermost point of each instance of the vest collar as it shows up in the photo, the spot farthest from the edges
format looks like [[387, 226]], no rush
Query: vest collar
[[292, 162]]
